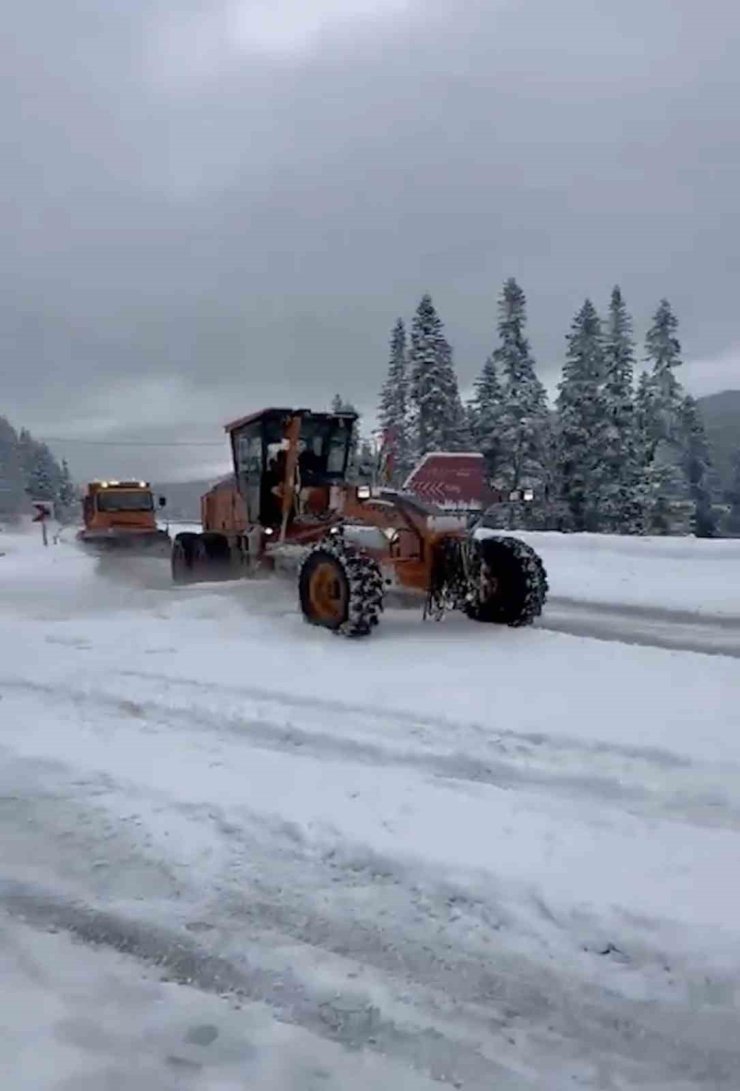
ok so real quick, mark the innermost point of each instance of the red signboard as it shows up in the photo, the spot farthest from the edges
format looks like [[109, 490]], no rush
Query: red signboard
[[43, 511], [451, 480]]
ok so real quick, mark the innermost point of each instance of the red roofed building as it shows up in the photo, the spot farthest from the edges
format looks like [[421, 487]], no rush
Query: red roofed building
[[453, 481]]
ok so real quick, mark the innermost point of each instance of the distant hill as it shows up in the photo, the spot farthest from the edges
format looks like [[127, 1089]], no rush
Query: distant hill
[[183, 498], [721, 413]]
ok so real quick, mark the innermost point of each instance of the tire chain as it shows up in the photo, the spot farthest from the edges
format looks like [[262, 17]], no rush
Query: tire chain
[[534, 574], [536, 577]]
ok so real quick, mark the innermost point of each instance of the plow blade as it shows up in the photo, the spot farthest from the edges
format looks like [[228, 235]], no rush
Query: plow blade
[[148, 544]]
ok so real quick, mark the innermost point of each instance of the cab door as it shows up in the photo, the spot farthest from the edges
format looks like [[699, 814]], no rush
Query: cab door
[[249, 466]]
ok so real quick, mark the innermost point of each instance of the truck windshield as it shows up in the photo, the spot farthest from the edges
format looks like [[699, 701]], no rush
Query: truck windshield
[[125, 500]]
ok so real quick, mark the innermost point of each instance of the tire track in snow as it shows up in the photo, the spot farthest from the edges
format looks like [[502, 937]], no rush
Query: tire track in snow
[[346, 1018], [417, 989], [666, 614], [645, 626], [384, 715], [405, 939], [101, 912], [548, 1013], [622, 777]]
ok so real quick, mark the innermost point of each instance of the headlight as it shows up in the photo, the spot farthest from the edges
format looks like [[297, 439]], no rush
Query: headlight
[[363, 492]]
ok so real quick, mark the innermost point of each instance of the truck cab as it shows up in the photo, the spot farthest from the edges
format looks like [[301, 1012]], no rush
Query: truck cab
[[120, 512]]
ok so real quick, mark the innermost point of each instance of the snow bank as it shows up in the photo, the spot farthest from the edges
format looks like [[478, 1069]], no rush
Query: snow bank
[[523, 837], [683, 574]]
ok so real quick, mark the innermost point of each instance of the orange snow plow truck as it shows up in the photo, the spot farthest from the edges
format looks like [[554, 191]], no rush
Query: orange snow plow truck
[[121, 515]]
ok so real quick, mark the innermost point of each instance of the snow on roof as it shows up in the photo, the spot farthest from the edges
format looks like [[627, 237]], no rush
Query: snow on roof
[[449, 454], [256, 416], [432, 455], [277, 411]]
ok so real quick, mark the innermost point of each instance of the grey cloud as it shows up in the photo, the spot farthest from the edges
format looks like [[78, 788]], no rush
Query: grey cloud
[[252, 223]]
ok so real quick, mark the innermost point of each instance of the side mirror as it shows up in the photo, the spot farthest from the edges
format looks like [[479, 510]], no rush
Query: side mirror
[[162, 501]]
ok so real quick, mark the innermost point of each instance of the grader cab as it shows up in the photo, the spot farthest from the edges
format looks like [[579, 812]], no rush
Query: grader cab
[[288, 504]]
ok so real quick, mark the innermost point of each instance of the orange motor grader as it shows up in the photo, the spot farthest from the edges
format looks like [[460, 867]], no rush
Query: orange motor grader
[[289, 505]]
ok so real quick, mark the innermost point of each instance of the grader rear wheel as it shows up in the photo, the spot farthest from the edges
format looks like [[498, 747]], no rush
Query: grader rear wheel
[[200, 557], [182, 558], [341, 589], [212, 559]]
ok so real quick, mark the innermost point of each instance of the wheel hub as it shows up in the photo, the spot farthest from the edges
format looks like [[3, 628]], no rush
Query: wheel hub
[[489, 582], [327, 593]]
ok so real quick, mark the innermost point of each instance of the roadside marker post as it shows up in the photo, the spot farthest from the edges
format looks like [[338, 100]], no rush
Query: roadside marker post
[[43, 514]]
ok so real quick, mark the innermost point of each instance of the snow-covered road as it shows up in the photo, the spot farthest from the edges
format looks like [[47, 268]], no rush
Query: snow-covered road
[[492, 858], [649, 626]]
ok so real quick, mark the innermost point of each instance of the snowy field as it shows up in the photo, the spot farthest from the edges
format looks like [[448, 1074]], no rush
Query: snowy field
[[237, 852]]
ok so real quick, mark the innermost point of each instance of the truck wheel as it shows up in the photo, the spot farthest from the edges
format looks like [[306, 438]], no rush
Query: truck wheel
[[182, 557], [510, 582], [341, 589]]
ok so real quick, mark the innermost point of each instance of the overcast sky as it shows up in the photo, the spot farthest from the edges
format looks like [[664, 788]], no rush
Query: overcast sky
[[209, 206]]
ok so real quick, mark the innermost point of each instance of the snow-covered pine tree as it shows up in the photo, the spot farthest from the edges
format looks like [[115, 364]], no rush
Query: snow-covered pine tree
[[697, 466], [12, 485], [663, 351], [367, 462], [42, 472], [581, 421], [425, 394], [484, 414], [393, 411], [660, 476], [731, 521], [458, 436], [523, 423], [620, 492], [67, 494], [339, 405], [660, 400], [436, 411], [471, 425]]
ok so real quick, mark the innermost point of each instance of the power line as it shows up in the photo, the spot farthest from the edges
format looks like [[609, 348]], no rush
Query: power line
[[132, 442]]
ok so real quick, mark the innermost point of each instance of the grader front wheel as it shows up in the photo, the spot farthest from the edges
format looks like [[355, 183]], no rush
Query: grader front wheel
[[327, 591], [341, 589], [511, 582]]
